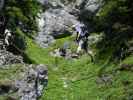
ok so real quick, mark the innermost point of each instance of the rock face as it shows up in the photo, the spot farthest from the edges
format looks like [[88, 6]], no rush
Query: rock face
[[27, 84], [7, 58], [60, 15], [32, 83]]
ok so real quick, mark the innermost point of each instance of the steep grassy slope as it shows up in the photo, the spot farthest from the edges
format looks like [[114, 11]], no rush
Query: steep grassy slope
[[78, 79], [8, 74], [75, 79]]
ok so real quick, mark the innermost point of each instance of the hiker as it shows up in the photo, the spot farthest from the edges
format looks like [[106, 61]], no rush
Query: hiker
[[81, 37], [8, 37]]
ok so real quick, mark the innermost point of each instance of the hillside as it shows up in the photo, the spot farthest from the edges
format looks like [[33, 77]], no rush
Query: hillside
[[41, 61], [79, 79]]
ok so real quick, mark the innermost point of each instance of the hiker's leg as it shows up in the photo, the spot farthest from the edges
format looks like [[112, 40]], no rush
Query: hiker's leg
[[79, 46], [78, 49]]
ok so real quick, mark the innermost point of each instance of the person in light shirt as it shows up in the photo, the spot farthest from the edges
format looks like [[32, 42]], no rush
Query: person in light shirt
[[81, 37]]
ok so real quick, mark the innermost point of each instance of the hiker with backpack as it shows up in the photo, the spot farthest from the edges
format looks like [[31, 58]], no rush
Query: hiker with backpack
[[82, 39]]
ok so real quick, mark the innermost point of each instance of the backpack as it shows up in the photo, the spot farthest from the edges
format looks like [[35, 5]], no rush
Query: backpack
[[85, 31]]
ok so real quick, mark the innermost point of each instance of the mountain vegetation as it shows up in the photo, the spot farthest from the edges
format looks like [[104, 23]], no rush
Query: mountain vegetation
[[109, 77]]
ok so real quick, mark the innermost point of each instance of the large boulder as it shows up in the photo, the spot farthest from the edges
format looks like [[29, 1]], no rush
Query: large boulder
[[26, 83], [31, 84]]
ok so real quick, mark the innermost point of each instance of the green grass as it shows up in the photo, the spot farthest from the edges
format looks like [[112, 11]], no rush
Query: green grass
[[10, 71], [8, 74], [128, 60], [76, 79], [40, 55]]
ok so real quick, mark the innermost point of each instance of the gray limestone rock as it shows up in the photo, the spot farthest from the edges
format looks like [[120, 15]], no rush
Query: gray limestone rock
[[28, 84], [7, 58], [32, 83], [60, 16]]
